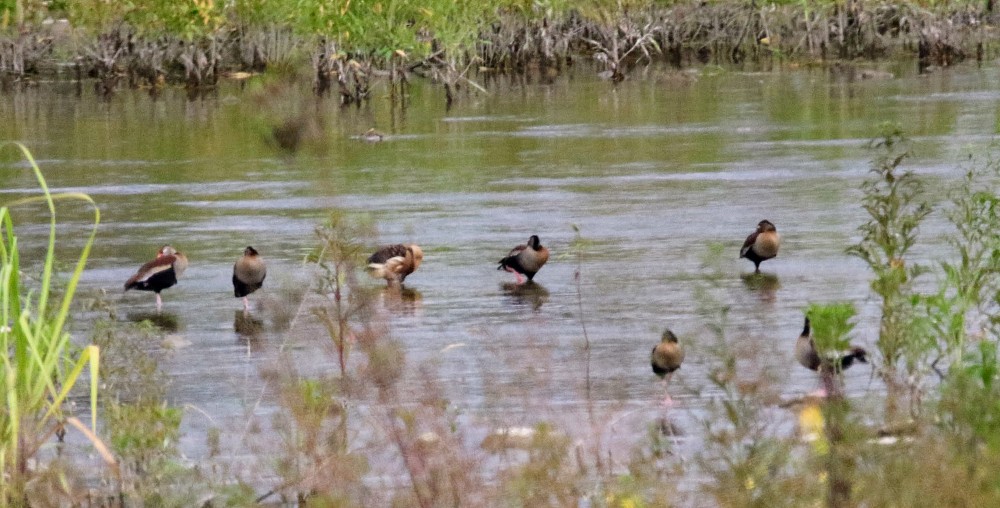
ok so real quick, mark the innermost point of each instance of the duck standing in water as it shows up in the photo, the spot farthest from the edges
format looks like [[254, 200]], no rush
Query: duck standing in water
[[394, 262], [525, 259], [248, 275], [808, 357], [761, 245], [666, 358], [372, 136], [159, 274]]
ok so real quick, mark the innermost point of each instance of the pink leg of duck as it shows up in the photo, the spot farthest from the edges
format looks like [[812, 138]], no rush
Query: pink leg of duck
[[520, 279], [667, 401]]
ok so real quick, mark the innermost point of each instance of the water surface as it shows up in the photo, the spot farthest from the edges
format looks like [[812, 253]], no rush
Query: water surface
[[651, 171]]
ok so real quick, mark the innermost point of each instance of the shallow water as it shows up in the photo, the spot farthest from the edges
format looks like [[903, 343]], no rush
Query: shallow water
[[652, 172]]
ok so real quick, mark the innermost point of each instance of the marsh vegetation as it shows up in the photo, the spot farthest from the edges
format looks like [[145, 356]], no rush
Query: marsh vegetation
[[343, 46]]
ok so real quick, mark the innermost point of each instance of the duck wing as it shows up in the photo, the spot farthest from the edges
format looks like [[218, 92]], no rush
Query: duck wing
[[751, 239], [387, 252]]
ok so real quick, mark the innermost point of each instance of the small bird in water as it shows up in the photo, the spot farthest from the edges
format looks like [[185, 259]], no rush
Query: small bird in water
[[761, 245], [525, 259], [808, 357], [666, 358], [159, 274], [394, 262], [248, 275], [372, 136]]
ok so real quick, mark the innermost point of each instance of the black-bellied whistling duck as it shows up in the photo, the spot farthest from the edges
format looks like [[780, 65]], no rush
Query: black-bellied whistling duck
[[394, 262], [159, 274], [248, 275], [525, 259], [761, 245], [808, 357], [666, 358]]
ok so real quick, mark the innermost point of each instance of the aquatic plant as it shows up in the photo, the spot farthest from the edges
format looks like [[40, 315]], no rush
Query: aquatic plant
[[342, 243], [41, 365]]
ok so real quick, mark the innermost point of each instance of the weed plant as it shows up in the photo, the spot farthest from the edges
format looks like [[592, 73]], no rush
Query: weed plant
[[342, 246], [41, 365], [896, 206]]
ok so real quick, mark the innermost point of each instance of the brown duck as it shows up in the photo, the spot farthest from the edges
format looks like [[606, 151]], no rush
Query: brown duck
[[248, 275], [666, 358], [159, 274], [761, 245], [525, 259], [395, 262]]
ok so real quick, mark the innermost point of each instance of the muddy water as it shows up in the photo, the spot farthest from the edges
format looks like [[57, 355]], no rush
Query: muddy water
[[653, 172]]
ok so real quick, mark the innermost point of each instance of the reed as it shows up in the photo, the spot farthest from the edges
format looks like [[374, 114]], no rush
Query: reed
[[42, 365]]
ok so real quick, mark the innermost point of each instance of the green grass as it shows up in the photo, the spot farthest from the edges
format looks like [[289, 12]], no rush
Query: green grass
[[42, 365]]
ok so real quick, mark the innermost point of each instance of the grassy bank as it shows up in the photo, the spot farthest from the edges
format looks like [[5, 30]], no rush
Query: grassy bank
[[346, 43]]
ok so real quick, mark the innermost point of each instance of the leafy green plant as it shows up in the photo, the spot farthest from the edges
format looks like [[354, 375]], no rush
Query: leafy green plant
[[41, 365], [896, 207], [971, 278], [831, 327]]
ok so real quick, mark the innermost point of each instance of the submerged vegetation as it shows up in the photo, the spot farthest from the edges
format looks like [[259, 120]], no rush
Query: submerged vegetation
[[347, 43]]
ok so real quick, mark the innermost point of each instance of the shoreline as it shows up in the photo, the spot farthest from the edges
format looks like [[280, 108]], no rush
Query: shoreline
[[617, 41]]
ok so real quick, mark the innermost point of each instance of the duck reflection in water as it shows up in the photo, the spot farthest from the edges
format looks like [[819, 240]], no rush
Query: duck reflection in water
[[165, 321], [404, 300], [668, 427], [527, 293], [249, 329], [765, 284]]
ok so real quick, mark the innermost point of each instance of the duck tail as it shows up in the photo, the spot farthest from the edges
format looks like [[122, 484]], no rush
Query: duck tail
[[856, 354]]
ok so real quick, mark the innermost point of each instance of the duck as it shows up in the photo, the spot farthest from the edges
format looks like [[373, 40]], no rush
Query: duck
[[525, 259], [665, 358], [249, 272], [762, 244], [159, 274], [373, 136], [808, 356], [395, 262]]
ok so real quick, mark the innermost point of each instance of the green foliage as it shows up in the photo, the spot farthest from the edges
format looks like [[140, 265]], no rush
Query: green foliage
[[186, 19], [143, 433], [41, 365], [971, 398], [831, 326], [544, 479], [315, 458], [896, 207], [971, 278], [128, 372]]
